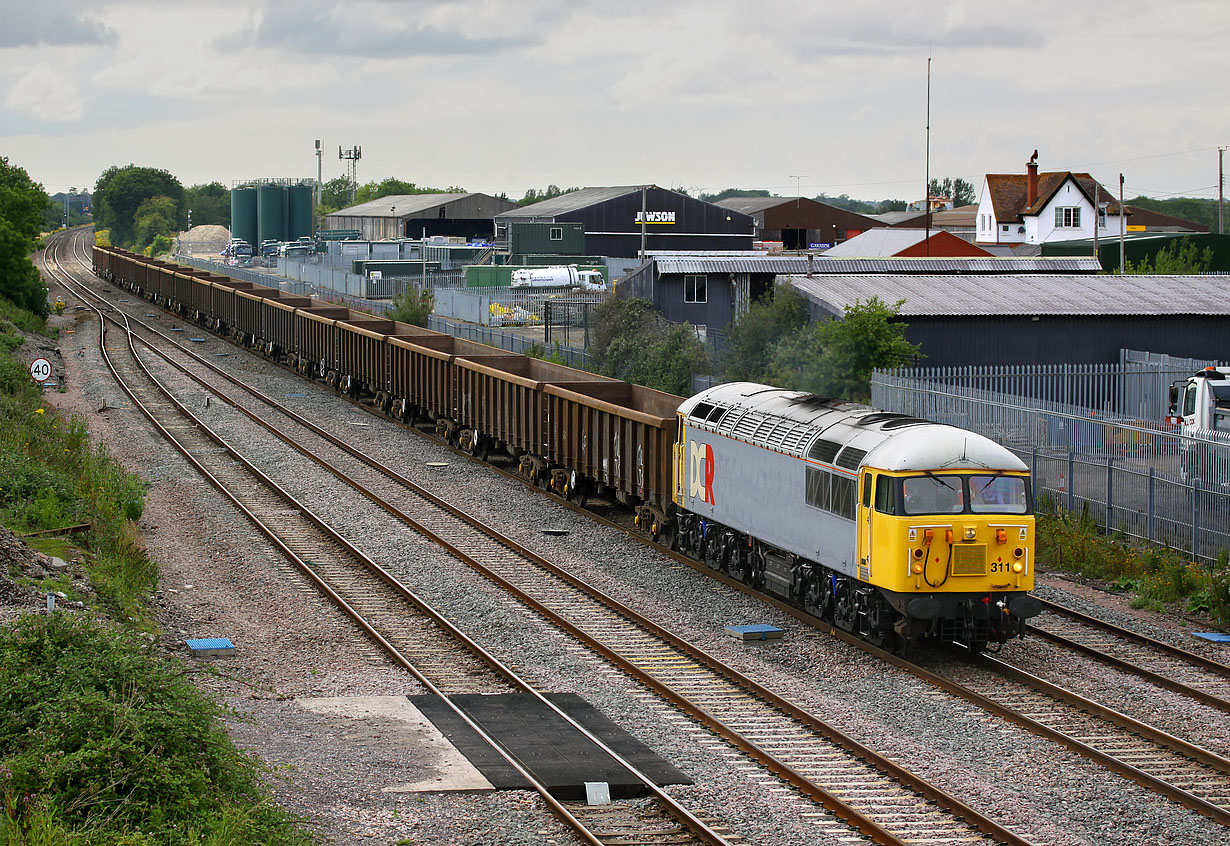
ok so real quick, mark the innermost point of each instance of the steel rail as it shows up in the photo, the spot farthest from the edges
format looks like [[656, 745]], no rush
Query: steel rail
[[698, 828], [839, 807], [799, 781]]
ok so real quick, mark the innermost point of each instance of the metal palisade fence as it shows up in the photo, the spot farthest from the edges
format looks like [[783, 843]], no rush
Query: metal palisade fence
[[1094, 437]]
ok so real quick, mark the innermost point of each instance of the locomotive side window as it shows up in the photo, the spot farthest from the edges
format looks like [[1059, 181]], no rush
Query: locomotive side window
[[844, 497], [933, 494], [998, 494], [817, 489], [886, 495]]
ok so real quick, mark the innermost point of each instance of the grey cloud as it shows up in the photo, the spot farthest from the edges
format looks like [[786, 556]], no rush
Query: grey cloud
[[52, 23], [301, 29]]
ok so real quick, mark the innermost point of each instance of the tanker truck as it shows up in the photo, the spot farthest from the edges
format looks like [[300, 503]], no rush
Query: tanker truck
[[560, 276]]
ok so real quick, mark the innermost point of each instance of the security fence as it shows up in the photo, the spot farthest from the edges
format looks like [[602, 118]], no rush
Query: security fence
[[1094, 437]]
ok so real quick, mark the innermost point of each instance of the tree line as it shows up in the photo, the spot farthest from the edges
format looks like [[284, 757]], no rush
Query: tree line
[[775, 342]]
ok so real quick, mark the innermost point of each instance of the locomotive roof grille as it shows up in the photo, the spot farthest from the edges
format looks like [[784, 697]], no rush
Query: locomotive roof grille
[[850, 458], [824, 450]]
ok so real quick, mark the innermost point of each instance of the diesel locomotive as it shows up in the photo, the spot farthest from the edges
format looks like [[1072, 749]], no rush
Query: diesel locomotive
[[888, 526], [893, 528]]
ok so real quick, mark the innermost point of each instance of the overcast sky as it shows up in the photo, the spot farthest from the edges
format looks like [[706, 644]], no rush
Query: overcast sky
[[821, 96]]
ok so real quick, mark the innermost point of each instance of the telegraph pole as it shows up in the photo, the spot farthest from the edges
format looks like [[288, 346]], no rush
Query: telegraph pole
[[318, 170], [1221, 184], [1122, 228], [927, 169]]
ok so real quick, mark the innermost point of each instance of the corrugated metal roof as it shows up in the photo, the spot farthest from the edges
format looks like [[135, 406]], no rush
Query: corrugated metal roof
[[751, 205], [878, 242], [396, 205], [570, 202], [931, 295], [823, 265]]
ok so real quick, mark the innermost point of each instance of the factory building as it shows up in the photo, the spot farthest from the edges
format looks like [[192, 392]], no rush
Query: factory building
[[798, 223], [466, 216], [1037, 319], [617, 219]]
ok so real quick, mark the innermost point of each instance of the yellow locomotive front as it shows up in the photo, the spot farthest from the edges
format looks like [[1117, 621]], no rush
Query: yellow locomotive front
[[951, 550]]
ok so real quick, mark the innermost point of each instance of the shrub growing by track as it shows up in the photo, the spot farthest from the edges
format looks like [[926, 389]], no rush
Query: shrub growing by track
[[1156, 576], [102, 742]]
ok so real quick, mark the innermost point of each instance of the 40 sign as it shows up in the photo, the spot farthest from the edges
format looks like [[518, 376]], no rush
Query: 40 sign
[[40, 370]]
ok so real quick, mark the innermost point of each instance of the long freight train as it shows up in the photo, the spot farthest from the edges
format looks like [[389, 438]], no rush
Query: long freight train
[[887, 526]]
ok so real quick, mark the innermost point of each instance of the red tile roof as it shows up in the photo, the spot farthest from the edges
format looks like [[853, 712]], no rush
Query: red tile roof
[[1009, 192]]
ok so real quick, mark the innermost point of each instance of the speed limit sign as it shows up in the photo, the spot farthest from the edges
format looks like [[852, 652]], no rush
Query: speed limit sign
[[40, 370]]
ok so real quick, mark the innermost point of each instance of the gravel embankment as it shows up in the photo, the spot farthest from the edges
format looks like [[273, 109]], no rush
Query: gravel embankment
[[220, 578]]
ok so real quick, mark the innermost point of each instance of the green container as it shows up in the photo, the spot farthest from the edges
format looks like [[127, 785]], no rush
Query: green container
[[271, 213], [299, 207], [553, 239], [243, 215]]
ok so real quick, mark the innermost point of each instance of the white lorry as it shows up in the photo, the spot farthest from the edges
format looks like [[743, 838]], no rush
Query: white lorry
[[1200, 407], [560, 276]]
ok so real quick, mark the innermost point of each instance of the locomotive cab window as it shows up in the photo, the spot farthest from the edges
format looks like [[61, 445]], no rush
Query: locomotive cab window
[[933, 494], [998, 494]]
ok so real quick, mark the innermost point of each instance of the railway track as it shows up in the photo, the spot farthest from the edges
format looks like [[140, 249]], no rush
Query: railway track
[[863, 793], [437, 653], [1163, 664]]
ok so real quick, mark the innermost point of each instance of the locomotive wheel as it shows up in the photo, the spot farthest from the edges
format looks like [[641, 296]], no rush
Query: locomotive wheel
[[711, 553]]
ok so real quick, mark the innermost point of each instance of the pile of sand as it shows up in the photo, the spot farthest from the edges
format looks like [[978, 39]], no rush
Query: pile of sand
[[208, 239]]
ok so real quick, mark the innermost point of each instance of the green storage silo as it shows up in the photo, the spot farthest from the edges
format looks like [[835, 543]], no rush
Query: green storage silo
[[270, 213], [299, 211], [243, 215]]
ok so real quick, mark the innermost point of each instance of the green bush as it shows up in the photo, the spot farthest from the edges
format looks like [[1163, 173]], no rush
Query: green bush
[[101, 736], [1156, 576]]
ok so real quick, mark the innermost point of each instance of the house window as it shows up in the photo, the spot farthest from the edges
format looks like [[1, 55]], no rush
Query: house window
[[1005, 227], [557, 233], [695, 290], [1067, 217], [1101, 218]]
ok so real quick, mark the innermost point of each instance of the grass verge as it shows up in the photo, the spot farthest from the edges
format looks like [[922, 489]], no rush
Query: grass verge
[[103, 741], [1158, 578]]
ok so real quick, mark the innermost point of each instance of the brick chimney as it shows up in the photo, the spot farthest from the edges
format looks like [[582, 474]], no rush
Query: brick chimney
[[1031, 170]]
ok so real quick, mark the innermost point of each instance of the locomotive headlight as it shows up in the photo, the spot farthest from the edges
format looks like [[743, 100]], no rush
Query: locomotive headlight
[[1017, 567], [969, 532], [917, 567]]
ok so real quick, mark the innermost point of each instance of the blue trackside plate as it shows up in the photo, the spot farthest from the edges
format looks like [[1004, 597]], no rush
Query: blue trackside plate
[[756, 632], [1216, 637], [210, 643]]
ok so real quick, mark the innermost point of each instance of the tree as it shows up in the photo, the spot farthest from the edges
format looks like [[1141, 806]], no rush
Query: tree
[[1180, 257], [210, 204], [532, 196], [413, 305], [836, 357], [335, 194], [1196, 209], [958, 190], [749, 340], [632, 342], [392, 187], [734, 192], [22, 202], [155, 217], [121, 190]]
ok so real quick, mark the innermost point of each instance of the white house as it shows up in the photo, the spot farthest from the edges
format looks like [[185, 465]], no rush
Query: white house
[[1037, 208]]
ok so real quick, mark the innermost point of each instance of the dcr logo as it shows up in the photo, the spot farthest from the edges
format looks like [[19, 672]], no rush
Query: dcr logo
[[702, 472]]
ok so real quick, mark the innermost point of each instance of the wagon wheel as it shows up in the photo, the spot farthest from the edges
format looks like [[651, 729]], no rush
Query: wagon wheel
[[711, 553]]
